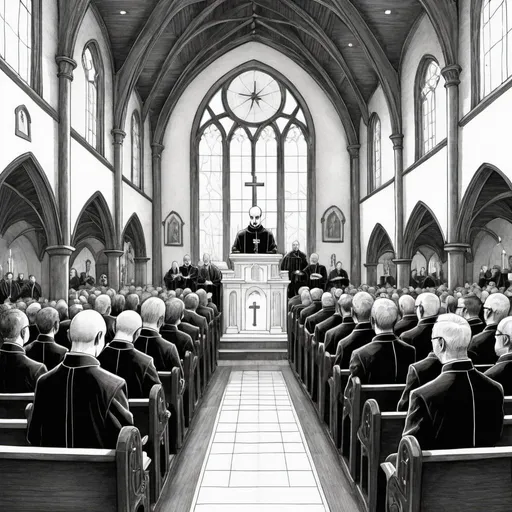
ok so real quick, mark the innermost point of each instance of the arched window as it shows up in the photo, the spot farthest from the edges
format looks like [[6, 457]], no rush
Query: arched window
[[16, 36], [375, 160], [428, 77], [495, 44], [136, 151], [93, 71], [252, 146]]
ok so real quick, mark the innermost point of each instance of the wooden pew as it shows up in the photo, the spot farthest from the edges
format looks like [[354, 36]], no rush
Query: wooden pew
[[13, 405], [174, 399], [13, 432], [508, 405], [466, 480], [354, 397], [300, 335], [306, 362], [323, 362], [379, 436], [61, 479], [337, 383], [189, 395]]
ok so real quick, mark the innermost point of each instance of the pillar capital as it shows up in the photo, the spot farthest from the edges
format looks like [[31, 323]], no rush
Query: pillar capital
[[402, 261], [157, 149], [398, 140], [66, 66], [60, 250], [118, 135], [451, 75], [113, 253], [141, 259], [456, 247], [370, 265], [353, 150]]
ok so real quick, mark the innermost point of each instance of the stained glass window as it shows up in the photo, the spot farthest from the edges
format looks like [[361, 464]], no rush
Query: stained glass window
[[495, 44], [428, 87], [136, 150], [375, 153], [91, 96], [16, 35]]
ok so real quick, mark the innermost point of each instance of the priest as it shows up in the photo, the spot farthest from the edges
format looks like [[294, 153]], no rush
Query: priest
[[316, 274], [188, 274], [255, 238], [295, 262], [209, 278], [338, 277]]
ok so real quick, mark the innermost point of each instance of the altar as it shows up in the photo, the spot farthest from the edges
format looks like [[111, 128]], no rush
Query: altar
[[255, 297]]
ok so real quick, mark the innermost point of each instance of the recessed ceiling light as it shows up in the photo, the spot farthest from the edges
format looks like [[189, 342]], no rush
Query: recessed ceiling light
[[122, 12], [387, 11], [350, 45]]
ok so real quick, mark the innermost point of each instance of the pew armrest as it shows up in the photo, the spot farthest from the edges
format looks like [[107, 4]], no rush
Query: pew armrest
[[389, 469], [144, 441], [146, 461]]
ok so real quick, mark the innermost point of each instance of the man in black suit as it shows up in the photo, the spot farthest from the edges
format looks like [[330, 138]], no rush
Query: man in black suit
[[332, 321], [173, 315], [190, 315], [44, 349], [327, 311], [386, 359], [188, 274], [361, 334], [502, 371], [481, 348], [103, 306], [203, 308], [345, 324], [409, 319], [62, 337], [121, 358], [18, 373], [427, 309], [165, 355], [462, 408], [469, 307], [32, 310], [295, 262], [79, 404], [314, 307]]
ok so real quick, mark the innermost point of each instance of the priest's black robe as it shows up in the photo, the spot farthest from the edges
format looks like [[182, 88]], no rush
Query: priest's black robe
[[316, 269], [172, 279], [8, 290], [213, 274], [31, 291], [295, 261], [255, 240], [337, 279], [188, 277]]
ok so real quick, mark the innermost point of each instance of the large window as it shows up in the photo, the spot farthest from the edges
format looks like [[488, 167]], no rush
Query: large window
[[375, 155], [93, 96], [253, 146], [136, 151], [16, 36], [495, 44], [429, 75]]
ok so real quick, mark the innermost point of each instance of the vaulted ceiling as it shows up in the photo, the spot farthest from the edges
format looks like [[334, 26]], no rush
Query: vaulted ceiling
[[348, 46]]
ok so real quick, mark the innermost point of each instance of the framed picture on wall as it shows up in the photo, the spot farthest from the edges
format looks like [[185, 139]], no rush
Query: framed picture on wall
[[173, 230], [23, 122], [333, 225]]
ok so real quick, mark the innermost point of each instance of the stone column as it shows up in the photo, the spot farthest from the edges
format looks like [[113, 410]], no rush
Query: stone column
[[355, 219], [371, 274], [157, 213], [456, 264], [118, 136], [59, 271], [141, 271], [451, 75], [65, 74], [403, 272], [114, 268]]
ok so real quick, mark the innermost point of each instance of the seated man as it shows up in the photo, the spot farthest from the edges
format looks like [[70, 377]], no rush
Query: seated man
[[31, 312], [469, 307], [409, 319], [62, 337], [190, 316], [329, 323], [327, 311], [462, 408], [211, 305], [386, 359], [165, 355], [427, 309], [203, 308], [103, 305], [344, 327], [314, 307], [79, 404], [44, 349], [121, 358], [502, 371], [18, 373], [132, 302], [481, 348], [362, 333], [173, 316]]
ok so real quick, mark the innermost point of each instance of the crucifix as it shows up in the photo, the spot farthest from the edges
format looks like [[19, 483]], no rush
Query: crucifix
[[254, 307], [254, 183]]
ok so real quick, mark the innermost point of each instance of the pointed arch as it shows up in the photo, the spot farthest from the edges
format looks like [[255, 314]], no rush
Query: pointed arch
[[423, 228], [378, 244], [135, 234], [95, 221]]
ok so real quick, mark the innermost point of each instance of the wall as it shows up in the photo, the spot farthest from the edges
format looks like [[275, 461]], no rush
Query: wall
[[332, 160], [50, 80]]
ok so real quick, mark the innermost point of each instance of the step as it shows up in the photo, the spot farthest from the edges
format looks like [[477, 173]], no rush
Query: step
[[253, 354], [253, 344]]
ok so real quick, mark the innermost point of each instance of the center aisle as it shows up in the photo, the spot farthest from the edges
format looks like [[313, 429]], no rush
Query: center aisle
[[258, 458]]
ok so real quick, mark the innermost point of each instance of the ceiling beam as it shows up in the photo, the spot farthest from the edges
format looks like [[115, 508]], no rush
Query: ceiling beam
[[28, 203], [71, 15]]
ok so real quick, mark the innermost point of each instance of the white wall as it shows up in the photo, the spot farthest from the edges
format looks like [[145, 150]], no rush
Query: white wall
[[332, 160], [49, 51]]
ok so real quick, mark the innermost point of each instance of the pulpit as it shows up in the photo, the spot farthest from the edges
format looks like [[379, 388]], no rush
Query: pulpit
[[254, 297]]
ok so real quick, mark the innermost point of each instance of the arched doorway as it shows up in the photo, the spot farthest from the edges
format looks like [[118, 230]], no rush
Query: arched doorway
[[379, 258], [134, 259]]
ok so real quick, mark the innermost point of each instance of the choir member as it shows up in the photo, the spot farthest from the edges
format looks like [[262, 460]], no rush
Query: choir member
[[31, 289], [172, 279], [338, 277], [74, 280], [9, 289], [409, 319], [295, 262], [316, 274], [188, 274]]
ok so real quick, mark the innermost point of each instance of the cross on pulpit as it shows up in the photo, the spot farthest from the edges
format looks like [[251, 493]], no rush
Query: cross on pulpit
[[254, 183], [254, 307]]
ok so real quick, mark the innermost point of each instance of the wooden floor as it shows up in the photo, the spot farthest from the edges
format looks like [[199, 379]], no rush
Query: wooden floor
[[178, 493]]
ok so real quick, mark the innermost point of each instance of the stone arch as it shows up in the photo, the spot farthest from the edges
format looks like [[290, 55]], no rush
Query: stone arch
[[135, 234], [379, 243]]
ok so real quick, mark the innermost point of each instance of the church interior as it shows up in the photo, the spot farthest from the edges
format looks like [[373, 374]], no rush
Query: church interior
[[255, 255]]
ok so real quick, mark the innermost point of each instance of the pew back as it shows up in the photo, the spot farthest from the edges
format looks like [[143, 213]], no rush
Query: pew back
[[12, 405]]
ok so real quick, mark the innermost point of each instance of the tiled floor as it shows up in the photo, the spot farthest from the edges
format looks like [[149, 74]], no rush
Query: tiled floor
[[258, 459]]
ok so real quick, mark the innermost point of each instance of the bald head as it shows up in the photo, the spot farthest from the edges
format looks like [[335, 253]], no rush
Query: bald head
[[362, 306], [174, 311], [406, 305], [255, 215], [87, 332], [128, 326], [313, 259], [428, 304], [316, 294], [103, 304], [14, 326], [191, 301], [384, 315], [153, 312], [496, 308], [327, 300], [450, 337]]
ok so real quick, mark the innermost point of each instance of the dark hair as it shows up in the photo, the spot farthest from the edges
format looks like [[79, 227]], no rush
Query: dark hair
[[46, 319], [118, 304], [9, 273], [31, 275], [472, 304]]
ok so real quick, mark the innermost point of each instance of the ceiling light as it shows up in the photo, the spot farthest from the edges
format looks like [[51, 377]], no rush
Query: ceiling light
[[350, 45], [122, 12], [387, 11]]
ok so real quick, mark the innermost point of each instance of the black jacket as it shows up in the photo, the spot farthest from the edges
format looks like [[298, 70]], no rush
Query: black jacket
[[421, 337], [462, 408], [337, 333], [313, 320], [196, 320], [165, 355], [313, 308], [385, 360], [79, 405], [316, 269], [182, 340], [477, 326], [122, 359], [46, 351], [419, 373], [502, 372], [18, 373], [62, 336], [407, 323], [111, 328], [190, 329], [323, 327], [481, 347], [361, 335]]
